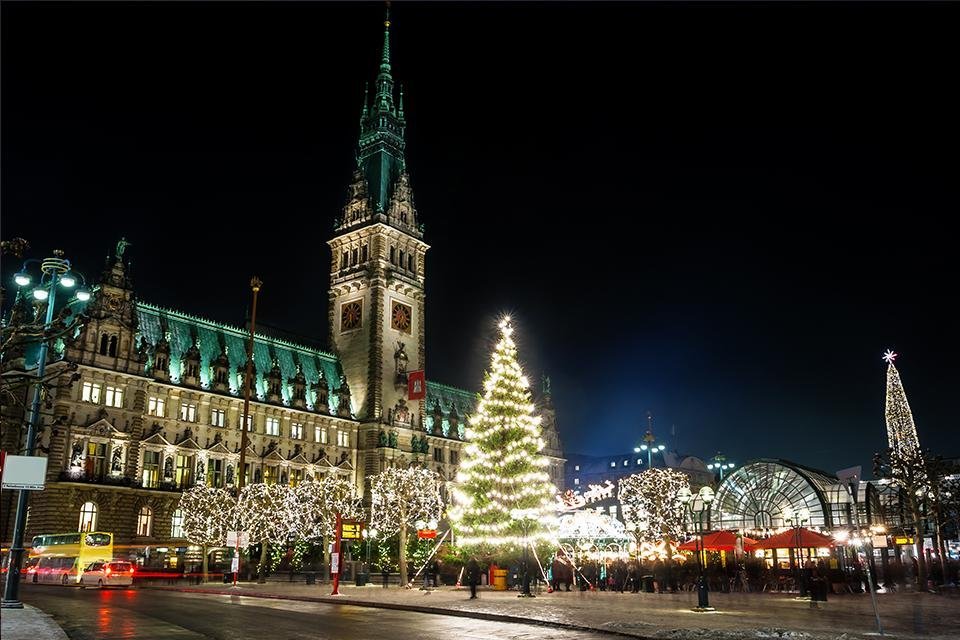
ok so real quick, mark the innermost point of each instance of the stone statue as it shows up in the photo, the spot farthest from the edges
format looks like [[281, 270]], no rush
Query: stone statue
[[116, 462], [76, 458], [393, 439], [400, 357], [200, 474], [121, 247], [229, 474], [168, 468], [382, 439]]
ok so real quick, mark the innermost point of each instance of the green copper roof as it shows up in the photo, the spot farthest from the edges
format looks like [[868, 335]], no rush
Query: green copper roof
[[464, 401], [183, 328], [380, 149]]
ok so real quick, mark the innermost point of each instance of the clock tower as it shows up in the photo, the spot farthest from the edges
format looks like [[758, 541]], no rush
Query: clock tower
[[377, 265]]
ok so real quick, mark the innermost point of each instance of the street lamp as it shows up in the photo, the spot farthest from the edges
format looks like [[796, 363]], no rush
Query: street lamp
[[55, 270], [719, 463], [649, 445], [524, 516], [696, 506], [370, 534], [796, 520]]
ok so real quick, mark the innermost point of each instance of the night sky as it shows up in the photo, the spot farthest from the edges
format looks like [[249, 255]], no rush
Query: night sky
[[721, 214]]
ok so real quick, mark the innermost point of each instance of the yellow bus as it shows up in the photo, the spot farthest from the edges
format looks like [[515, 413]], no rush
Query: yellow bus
[[60, 558]]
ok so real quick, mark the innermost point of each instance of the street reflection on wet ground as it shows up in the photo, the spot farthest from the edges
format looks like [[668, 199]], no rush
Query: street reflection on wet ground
[[161, 615]]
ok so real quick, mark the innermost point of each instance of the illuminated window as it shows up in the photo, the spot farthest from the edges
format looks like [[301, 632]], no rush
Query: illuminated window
[[626, 462], [151, 469], [88, 517], [296, 431], [273, 427], [184, 471], [613, 511], [144, 521], [576, 481], [270, 474], [96, 460], [114, 397], [639, 461], [188, 412], [296, 477], [249, 421], [320, 435], [454, 457], [218, 417], [613, 465], [156, 406], [215, 472], [343, 438], [176, 524], [576, 467], [91, 393]]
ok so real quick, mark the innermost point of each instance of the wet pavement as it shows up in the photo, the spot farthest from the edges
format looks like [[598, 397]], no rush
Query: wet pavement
[[88, 614]]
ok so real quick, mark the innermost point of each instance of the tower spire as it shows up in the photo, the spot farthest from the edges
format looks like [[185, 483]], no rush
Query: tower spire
[[384, 99]]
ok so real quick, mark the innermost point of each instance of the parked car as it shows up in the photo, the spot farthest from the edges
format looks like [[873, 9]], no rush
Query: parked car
[[107, 574]]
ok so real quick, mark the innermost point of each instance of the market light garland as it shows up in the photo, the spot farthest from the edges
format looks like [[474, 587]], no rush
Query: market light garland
[[503, 488]]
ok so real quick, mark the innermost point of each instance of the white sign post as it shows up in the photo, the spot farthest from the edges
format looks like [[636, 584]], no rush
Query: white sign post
[[334, 562], [26, 473], [237, 539]]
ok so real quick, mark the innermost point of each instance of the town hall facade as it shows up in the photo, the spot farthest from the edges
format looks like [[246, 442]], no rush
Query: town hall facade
[[149, 401]]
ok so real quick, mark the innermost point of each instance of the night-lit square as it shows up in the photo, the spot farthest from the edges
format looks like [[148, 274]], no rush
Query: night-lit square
[[479, 320]]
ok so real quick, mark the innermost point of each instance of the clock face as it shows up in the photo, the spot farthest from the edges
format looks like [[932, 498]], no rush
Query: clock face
[[351, 315], [400, 317]]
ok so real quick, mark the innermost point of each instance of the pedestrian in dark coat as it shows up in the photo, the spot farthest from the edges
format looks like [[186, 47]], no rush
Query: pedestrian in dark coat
[[473, 576]]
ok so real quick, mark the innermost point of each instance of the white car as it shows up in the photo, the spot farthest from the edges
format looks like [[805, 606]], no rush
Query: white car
[[107, 574]]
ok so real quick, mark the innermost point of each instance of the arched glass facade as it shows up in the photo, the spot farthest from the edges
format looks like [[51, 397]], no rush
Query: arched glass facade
[[757, 495]]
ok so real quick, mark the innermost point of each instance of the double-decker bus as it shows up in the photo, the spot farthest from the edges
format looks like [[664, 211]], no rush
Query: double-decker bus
[[60, 558]]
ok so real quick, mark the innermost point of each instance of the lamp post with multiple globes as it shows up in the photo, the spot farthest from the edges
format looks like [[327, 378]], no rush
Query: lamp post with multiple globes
[[54, 271], [696, 506]]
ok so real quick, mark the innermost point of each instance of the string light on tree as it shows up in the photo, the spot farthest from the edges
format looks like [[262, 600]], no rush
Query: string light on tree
[[312, 506], [901, 430], [399, 498], [503, 473], [208, 514], [651, 498]]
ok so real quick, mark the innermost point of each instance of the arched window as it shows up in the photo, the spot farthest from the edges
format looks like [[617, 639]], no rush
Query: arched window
[[88, 517], [104, 340], [176, 524], [113, 345], [145, 521]]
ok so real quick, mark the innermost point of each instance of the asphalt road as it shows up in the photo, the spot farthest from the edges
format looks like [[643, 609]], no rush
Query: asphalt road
[[91, 614]]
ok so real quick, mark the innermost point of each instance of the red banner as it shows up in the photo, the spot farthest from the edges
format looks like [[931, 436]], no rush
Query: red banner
[[424, 534], [416, 385]]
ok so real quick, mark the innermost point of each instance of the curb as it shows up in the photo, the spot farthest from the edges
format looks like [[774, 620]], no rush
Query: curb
[[493, 617]]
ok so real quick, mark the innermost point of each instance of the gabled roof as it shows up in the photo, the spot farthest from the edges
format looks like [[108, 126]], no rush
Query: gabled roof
[[213, 336], [156, 438]]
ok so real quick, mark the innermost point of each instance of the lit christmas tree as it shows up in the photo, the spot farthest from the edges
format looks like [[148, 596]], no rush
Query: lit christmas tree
[[901, 431], [505, 496]]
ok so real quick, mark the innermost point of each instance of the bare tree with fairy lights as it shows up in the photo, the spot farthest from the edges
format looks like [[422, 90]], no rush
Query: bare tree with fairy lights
[[399, 499]]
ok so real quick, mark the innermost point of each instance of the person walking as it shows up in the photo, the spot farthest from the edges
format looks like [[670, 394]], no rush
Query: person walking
[[473, 576], [385, 571]]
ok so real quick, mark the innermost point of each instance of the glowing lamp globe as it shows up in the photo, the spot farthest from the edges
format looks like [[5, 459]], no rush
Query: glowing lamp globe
[[83, 295], [67, 280], [40, 294], [22, 279]]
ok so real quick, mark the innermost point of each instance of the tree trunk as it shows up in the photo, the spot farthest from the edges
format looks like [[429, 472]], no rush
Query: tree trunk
[[402, 554], [918, 544], [264, 553], [941, 548], [205, 564]]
